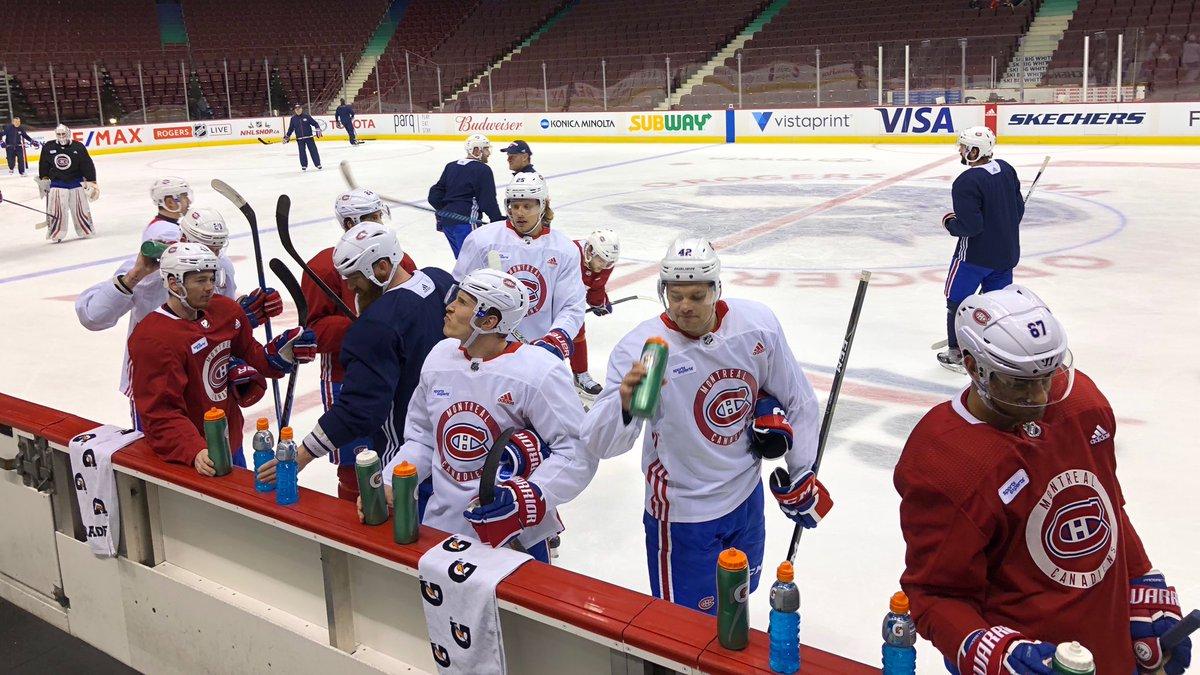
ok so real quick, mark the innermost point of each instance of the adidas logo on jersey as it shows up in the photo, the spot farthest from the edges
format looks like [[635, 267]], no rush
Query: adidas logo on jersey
[[758, 349], [1100, 435], [506, 398], [552, 262]]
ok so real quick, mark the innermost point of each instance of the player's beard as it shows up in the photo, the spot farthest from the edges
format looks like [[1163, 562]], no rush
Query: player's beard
[[367, 296]]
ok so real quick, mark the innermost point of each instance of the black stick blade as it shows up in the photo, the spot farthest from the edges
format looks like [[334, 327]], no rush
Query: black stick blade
[[293, 288]]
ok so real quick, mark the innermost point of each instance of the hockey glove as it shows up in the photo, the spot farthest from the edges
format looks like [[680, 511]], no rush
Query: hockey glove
[[772, 433], [261, 304], [1153, 610], [518, 504], [248, 384], [523, 453], [946, 220], [558, 343], [1001, 650], [298, 345], [601, 309], [805, 501], [92, 191]]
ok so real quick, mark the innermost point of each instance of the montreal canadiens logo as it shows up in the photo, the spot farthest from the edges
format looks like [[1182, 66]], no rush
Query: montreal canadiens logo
[[216, 372], [981, 317], [535, 284], [1072, 534], [465, 431], [722, 404], [62, 161]]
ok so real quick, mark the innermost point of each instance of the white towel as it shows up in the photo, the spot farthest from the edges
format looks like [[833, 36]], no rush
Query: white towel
[[96, 485], [458, 585]]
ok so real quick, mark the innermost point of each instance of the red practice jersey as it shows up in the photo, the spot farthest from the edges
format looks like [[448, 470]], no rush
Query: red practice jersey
[[179, 370], [594, 282], [1025, 529], [324, 318]]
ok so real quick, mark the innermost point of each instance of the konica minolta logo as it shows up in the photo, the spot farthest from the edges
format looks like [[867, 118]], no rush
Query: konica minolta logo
[[578, 124], [1076, 119]]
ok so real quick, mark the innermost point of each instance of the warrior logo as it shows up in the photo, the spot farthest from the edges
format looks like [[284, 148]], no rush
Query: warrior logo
[[432, 593], [535, 284], [461, 633], [455, 545], [216, 372], [460, 571], [722, 404], [1072, 532], [80, 484], [464, 432], [440, 655]]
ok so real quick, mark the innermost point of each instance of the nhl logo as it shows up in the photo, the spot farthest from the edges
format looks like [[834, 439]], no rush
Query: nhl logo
[[1032, 429], [981, 317]]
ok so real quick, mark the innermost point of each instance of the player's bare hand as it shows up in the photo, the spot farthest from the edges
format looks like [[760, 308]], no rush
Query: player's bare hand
[[387, 493], [303, 458], [203, 464], [266, 472], [630, 382]]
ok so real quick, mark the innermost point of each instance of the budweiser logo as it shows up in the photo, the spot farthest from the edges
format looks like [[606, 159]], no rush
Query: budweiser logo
[[478, 124]]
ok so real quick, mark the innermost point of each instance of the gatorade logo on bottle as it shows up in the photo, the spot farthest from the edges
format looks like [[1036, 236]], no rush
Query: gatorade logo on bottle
[[377, 479]]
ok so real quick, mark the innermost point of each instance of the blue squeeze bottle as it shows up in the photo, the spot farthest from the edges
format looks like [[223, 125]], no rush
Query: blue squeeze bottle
[[785, 621], [899, 638], [264, 451], [286, 489]]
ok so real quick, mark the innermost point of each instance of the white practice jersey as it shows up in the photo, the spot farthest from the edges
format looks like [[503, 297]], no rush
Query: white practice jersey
[[548, 265], [458, 411], [696, 452], [102, 306]]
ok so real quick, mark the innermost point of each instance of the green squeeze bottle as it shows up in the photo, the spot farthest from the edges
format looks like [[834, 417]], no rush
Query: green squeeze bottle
[[404, 493], [1072, 658], [153, 249], [216, 436], [733, 594], [370, 486], [646, 396]]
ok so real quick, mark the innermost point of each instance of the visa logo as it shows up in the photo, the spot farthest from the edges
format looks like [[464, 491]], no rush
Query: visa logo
[[916, 120]]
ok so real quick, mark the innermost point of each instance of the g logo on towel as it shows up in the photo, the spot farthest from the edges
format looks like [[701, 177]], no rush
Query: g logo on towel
[[461, 633], [455, 545], [460, 571], [440, 655], [432, 593], [80, 485]]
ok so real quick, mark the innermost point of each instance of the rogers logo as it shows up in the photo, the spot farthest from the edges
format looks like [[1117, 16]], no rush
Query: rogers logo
[[164, 133]]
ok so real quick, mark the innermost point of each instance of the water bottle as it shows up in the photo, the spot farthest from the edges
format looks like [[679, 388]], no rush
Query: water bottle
[[216, 436], [733, 591], [405, 527], [785, 621], [264, 451], [153, 249], [899, 638], [286, 489], [1072, 658], [370, 486], [646, 395]]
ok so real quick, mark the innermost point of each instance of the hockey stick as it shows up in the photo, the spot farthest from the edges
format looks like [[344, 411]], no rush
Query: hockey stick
[[940, 343], [240, 202], [620, 300], [282, 208], [1178, 633], [264, 141], [27, 208], [834, 389], [293, 288], [493, 260], [487, 479], [347, 174], [1036, 178]]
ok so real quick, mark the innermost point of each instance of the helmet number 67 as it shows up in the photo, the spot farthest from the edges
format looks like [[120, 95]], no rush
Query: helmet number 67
[[1037, 329]]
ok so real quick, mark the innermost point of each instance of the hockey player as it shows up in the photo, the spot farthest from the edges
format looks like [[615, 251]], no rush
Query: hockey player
[[598, 254], [1013, 515], [67, 178], [473, 386], [546, 261], [732, 396], [13, 139], [182, 358], [519, 157], [352, 207], [345, 117], [304, 127], [986, 219], [468, 188], [382, 351]]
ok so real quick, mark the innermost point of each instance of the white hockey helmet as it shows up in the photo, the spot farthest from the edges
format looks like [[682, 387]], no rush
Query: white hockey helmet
[[364, 245], [356, 204], [1011, 334], [689, 260], [603, 244], [476, 142], [62, 134], [980, 138], [170, 186], [528, 186], [205, 226], [493, 289], [183, 257]]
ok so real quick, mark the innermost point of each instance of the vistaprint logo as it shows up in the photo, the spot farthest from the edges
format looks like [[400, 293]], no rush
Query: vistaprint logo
[[547, 123], [797, 121]]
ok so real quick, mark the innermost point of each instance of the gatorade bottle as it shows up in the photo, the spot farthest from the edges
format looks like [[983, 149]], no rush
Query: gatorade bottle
[[646, 396], [785, 621], [370, 486], [216, 436], [1072, 658], [264, 451], [899, 638], [286, 489], [404, 495], [153, 249], [733, 591]]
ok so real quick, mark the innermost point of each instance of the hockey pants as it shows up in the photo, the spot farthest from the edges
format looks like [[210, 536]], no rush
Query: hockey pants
[[16, 158], [307, 146], [579, 358]]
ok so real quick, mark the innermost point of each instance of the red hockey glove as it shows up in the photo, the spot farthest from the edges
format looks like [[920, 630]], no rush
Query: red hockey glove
[[558, 343], [1001, 650], [260, 304], [772, 433], [806, 501], [298, 345], [523, 453], [518, 504], [1153, 610], [247, 383]]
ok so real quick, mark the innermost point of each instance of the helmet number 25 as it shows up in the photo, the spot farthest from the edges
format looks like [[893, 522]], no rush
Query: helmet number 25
[[1037, 329]]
